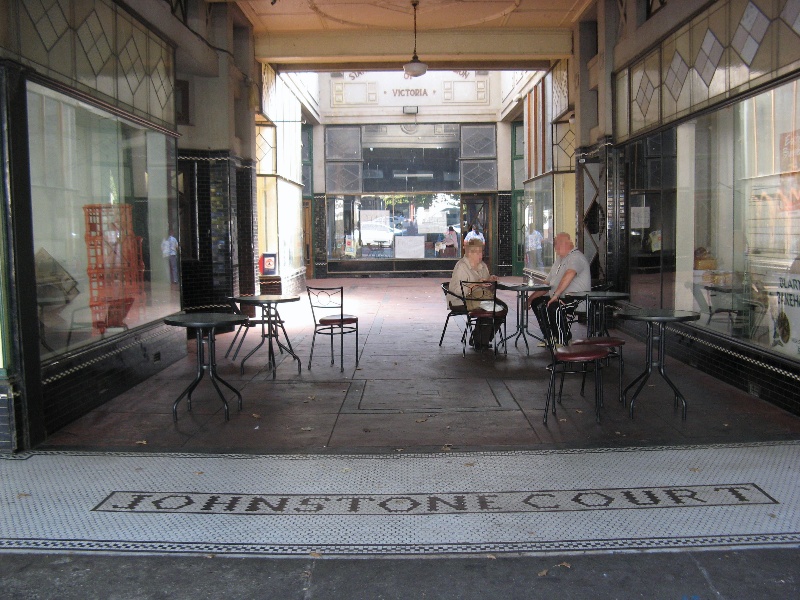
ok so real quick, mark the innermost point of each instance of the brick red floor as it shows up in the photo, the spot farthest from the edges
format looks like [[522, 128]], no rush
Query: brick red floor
[[410, 394]]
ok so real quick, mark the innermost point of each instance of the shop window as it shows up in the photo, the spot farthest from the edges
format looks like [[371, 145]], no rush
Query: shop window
[[104, 209], [401, 198], [740, 220], [396, 226]]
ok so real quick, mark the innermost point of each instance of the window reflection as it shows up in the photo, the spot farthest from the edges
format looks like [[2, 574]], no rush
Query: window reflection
[[394, 226], [740, 219], [103, 203], [539, 224]]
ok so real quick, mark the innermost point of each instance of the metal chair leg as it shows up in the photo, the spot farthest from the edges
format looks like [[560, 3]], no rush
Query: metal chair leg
[[446, 321]]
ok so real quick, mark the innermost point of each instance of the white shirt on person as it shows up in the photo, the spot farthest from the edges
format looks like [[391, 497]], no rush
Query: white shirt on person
[[472, 235]]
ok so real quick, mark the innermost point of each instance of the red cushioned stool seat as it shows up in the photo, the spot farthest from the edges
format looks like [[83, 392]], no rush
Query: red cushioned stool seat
[[614, 344]]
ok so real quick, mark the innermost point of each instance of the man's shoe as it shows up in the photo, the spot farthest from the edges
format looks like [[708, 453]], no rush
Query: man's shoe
[[541, 345]]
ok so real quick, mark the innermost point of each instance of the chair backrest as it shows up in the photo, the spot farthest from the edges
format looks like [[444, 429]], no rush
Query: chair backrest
[[450, 295], [481, 294], [326, 301]]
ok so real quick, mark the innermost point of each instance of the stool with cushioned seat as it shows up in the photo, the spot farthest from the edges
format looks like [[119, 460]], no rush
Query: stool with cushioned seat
[[565, 360], [614, 345]]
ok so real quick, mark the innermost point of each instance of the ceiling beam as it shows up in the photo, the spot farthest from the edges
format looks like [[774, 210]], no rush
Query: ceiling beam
[[446, 50]]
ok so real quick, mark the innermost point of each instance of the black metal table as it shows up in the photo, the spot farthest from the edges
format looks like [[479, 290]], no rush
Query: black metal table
[[270, 321], [656, 320], [205, 325], [522, 290], [596, 303]]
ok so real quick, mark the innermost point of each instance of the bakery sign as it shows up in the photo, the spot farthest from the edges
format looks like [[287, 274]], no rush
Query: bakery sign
[[786, 315]]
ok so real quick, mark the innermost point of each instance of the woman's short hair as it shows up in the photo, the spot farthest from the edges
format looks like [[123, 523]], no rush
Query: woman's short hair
[[474, 243]]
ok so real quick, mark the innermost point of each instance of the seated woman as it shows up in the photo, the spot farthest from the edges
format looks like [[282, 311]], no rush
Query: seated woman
[[472, 268]]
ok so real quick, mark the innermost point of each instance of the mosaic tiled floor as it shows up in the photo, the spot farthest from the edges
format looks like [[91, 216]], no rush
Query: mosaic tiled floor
[[421, 504]]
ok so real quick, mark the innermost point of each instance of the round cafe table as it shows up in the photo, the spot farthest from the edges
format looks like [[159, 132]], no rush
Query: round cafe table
[[205, 325], [596, 303], [656, 320], [522, 290], [270, 322]]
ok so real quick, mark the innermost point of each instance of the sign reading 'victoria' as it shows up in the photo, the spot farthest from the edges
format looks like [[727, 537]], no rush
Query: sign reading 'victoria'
[[737, 494]]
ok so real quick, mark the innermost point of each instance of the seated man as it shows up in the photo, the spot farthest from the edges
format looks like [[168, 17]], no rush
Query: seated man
[[570, 273], [472, 268]]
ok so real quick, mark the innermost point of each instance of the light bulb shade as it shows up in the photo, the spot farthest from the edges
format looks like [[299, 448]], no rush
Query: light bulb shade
[[415, 67]]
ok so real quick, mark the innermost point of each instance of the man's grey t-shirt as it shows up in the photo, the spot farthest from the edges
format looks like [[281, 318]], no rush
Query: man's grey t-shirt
[[575, 260]]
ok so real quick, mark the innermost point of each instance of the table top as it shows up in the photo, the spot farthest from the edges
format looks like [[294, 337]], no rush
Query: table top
[[658, 315], [598, 295], [266, 299], [205, 320], [523, 287]]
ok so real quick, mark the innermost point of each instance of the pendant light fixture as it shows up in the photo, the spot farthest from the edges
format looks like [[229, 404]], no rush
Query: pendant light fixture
[[415, 67]]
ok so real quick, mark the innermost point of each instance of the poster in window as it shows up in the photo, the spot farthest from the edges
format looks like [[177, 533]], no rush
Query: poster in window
[[640, 217], [269, 264]]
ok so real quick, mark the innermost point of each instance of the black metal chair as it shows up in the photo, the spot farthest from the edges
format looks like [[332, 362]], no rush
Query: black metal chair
[[243, 328], [569, 359], [327, 309], [484, 309], [454, 310]]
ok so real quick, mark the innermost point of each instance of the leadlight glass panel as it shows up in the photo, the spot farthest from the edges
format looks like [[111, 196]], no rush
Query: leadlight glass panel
[[343, 178], [343, 143], [478, 141], [478, 175], [265, 150], [563, 147]]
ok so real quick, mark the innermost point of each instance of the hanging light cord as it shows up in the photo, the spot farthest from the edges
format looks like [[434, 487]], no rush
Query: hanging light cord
[[414, 4]]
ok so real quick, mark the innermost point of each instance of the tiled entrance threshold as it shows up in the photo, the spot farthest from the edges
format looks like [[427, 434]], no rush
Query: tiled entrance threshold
[[405, 504]]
